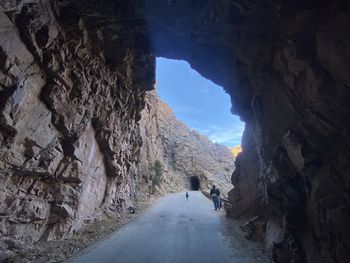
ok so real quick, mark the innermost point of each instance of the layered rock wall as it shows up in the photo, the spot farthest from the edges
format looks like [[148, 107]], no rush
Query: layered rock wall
[[69, 138]]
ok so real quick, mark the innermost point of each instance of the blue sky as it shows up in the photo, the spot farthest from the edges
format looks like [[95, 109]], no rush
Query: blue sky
[[198, 102]]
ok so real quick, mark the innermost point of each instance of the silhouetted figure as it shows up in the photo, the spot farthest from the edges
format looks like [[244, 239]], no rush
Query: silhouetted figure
[[218, 195], [214, 197], [187, 195]]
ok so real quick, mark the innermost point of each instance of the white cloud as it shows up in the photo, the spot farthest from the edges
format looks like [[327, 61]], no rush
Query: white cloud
[[181, 109], [201, 130], [228, 135]]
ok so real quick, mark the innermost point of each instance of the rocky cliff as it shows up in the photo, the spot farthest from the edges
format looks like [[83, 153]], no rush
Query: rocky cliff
[[184, 153], [73, 77], [69, 138]]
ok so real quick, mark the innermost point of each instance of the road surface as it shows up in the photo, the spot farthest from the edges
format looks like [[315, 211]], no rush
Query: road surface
[[173, 230]]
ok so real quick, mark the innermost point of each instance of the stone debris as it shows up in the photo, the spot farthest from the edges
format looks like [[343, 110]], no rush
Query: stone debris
[[255, 229]]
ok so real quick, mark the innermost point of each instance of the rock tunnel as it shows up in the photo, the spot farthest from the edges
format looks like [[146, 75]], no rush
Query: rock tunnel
[[73, 76], [194, 183]]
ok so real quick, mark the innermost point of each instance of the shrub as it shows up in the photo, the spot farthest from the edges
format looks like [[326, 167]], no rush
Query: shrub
[[158, 172]]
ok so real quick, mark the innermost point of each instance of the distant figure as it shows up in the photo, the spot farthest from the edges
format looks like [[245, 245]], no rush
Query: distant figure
[[218, 195], [131, 210], [187, 195], [214, 197]]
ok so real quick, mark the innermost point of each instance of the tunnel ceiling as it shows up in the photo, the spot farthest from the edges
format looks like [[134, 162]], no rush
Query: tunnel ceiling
[[219, 39], [285, 64]]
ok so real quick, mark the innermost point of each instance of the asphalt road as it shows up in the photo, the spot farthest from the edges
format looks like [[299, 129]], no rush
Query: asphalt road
[[172, 230]]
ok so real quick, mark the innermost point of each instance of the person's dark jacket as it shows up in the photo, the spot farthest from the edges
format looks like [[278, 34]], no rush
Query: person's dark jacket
[[212, 191], [217, 192]]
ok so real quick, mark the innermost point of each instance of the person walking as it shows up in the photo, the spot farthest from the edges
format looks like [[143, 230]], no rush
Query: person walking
[[218, 195], [187, 195], [214, 197]]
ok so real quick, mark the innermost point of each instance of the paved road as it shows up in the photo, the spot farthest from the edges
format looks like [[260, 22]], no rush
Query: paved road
[[173, 230]]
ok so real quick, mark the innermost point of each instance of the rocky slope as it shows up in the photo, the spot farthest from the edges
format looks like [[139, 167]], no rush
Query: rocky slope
[[183, 152]]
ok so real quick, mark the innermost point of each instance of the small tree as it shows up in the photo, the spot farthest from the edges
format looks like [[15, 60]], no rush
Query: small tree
[[158, 172]]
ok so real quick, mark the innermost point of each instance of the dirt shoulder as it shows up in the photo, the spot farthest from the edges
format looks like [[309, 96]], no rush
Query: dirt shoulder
[[236, 237], [59, 250]]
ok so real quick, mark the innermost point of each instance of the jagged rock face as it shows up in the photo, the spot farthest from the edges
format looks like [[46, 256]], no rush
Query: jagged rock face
[[284, 63], [183, 152], [69, 138]]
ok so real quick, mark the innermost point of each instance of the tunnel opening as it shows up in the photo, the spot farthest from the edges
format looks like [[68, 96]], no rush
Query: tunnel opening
[[194, 183], [211, 114]]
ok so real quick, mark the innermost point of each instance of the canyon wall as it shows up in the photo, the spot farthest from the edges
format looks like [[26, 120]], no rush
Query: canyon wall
[[184, 153], [69, 137]]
